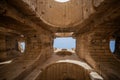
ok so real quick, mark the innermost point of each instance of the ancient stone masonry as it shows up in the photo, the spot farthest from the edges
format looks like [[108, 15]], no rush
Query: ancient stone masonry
[[96, 51], [28, 29], [64, 72]]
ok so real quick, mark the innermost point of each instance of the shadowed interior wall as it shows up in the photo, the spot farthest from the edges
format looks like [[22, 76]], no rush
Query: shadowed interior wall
[[3, 53], [9, 47], [117, 46]]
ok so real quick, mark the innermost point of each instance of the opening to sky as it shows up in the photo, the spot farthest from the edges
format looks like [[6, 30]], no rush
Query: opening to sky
[[21, 46], [62, 1], [112, 46], [64, 43]]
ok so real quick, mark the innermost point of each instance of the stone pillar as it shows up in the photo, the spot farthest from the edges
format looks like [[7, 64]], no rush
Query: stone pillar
[[82, 46], [33, 46]]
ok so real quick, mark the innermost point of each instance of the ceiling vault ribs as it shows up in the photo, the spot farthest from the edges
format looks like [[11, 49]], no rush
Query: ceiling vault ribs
[[86, 20], [59, 9], [29, 30], [20, 20]]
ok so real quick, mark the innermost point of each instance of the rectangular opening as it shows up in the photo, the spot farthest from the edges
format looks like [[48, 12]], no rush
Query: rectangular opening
[[65, 43]]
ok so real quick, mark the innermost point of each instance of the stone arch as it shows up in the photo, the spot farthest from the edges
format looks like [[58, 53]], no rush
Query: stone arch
[[64, 53], [64, 71]]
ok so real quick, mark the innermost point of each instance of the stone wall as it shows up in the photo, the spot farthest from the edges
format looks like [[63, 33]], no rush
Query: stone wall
[[38, 48], [39, 44], [9, 48], [94, 48], [3, 54]]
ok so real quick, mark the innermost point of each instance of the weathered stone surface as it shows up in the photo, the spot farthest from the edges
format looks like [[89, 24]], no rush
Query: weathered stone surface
[[93, 23]]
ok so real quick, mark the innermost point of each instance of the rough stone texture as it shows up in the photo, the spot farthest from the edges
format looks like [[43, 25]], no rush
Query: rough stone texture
[[20, 20], [97, 53], [3, 53], [64, 71]]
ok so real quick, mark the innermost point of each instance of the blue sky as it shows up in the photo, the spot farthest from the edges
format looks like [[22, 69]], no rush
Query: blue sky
[[112, 45], [64, 43]]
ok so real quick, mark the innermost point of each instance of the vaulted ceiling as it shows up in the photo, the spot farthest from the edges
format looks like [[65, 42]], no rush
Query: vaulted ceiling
[[57, 14], [68, 14], [74, 16]]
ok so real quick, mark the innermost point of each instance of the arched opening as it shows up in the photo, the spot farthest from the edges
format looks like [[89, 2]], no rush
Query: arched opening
[[21, 46], [64, 53], [112, 45], [64, 71], [68, 70]]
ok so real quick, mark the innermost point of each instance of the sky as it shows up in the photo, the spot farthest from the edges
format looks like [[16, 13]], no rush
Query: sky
[[69, 43], [66, 43], [112, 45]]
